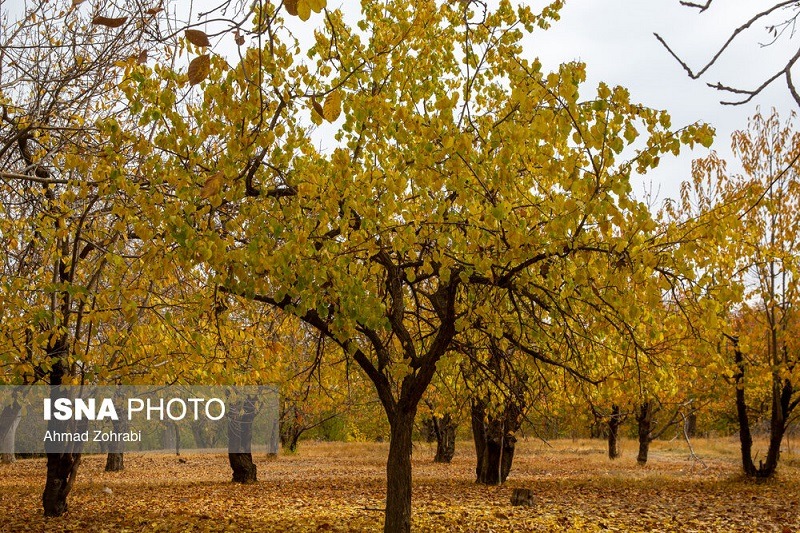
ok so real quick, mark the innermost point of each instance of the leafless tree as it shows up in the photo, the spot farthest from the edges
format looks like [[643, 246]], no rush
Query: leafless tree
[[779, 24]]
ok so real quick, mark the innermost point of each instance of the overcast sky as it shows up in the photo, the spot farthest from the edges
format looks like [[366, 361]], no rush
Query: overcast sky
[[615, 39]]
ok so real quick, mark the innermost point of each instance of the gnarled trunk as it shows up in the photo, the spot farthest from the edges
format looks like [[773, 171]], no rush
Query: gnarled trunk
[[445, 433], [240, 438], [494, 442]]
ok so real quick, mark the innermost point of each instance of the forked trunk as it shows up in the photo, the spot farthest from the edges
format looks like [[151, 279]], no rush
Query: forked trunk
[[782, 406], [61, 472]]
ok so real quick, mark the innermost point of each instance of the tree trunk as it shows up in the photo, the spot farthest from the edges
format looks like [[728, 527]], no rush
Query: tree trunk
[[61, 472], [115, 459], [115, 462], [479, 436], [291, 428], [445, 432], [398, 473], [644, 418], [691, 425], [170, 438], [745, 437], [782, 406], [596, 427], [202, 435], [494, 442], [781, 401], [273, 437], [9, 421], [244, 470], [614, 421], [62, 462], [240, 438]]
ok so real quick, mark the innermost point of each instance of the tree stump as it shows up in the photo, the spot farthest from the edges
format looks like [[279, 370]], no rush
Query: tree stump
[[522, 497]]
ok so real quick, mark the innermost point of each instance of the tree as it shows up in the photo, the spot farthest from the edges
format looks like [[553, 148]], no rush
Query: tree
[[57, 226], [83, 294], [759, 260], [442, 207], [768, 256]]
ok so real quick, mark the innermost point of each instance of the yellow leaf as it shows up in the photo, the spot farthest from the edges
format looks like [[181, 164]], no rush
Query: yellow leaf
[[316, 5], [199, 69], [317, 108], [303, 9], [291, 7], [197, 38], [332, 107], [212, 185]]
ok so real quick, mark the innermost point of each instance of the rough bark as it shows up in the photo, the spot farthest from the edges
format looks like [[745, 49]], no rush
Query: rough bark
[[614, 422], [494, 442], [240, 438], [62, 463], [398, 473], [115, 462], [61, 472], [644, 419], [445, 433], [479, 434]]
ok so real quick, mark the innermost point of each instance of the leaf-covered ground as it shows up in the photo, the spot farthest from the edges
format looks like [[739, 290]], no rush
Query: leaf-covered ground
[[340, 487]]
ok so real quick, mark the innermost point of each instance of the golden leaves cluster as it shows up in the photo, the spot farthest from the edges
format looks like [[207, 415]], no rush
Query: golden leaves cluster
[[303, 8], [199, 67]]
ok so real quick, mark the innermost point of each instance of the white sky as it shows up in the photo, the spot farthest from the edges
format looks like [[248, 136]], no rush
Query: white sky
[[615, 39]]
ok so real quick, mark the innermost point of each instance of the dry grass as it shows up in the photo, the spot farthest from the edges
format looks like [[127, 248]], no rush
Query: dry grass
[[338, 487]]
